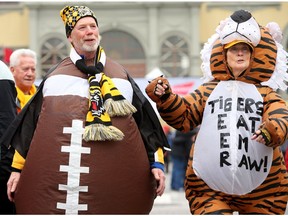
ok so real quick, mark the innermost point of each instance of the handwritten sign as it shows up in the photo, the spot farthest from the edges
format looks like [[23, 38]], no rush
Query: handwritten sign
[[228, 160]]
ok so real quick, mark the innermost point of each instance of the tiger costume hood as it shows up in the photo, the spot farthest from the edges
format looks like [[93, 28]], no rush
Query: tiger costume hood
[[268, 64]]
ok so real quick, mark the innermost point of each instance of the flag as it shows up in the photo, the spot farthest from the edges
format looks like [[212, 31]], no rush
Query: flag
[[6, 55]]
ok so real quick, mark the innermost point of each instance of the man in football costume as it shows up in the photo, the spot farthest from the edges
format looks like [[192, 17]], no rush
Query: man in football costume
[[95, 144]]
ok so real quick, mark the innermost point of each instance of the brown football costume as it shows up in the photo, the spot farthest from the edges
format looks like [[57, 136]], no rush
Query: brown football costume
[[63, 174], [228, 171]]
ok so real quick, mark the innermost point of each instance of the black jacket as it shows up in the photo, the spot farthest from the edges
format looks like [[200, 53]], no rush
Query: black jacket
[[8, 113]]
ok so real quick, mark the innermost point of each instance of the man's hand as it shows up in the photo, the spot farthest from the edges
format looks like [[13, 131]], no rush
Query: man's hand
[[12, 185], [160, 178]]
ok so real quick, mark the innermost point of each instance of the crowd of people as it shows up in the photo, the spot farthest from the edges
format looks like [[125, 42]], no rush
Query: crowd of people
[[87, 140]]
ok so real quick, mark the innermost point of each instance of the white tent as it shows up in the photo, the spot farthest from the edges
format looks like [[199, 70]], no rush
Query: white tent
[[156, 72]]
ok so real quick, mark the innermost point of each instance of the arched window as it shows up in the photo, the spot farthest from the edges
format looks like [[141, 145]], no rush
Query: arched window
[[53, 50], [175, 59], [126, 50]]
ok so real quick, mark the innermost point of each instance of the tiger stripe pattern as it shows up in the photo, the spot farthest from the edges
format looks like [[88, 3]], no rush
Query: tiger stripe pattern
[[185, 113], [202, 199]]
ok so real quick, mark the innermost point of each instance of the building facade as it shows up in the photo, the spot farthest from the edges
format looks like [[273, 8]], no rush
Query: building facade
[[139, 35]]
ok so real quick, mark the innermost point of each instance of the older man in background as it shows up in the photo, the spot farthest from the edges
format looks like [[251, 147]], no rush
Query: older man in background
[[23, 67]]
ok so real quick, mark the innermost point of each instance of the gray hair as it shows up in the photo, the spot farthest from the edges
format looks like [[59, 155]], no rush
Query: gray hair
[[14, 58]]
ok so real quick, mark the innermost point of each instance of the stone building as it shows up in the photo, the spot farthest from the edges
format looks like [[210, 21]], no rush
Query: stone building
[[140, 35]]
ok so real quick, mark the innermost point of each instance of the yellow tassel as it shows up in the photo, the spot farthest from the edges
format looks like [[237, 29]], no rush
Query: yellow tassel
[[119, 108], [99, 132]]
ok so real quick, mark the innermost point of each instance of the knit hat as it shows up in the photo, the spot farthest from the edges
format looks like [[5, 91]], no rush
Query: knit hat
[[71, 14]]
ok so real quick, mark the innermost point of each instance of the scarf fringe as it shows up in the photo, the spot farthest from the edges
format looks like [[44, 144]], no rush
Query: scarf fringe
[[100, 132], [119, 108]]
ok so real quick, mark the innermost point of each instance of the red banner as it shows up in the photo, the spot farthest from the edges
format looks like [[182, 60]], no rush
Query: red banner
[[183, 88], [6, 55]]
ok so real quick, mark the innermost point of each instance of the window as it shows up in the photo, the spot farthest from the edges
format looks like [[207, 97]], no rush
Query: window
[[126, 50], [53, 51], [174, 60]]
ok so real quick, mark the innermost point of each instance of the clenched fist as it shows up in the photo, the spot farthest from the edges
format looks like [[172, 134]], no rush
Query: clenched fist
[[158, 89]]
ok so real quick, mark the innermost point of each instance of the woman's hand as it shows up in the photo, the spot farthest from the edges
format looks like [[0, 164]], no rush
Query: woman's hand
[[158, 88], [261, 137]]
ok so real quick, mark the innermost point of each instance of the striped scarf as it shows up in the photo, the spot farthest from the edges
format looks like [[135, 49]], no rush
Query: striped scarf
[[22, 98], [105, 100]]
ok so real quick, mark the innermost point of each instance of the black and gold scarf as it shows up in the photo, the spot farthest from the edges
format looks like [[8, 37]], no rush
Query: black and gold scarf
[[105, 100]]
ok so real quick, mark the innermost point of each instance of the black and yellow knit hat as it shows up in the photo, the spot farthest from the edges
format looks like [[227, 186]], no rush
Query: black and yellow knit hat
[[71, 14]]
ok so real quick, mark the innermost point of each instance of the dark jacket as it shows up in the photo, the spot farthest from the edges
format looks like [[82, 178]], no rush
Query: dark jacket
[[7, 114], [182, 143]]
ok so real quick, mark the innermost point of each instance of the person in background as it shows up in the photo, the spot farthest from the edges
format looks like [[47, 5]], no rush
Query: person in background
[[23, 67], [169, 135], [94, 144], [180, 149], [7, 114], [236, 163]]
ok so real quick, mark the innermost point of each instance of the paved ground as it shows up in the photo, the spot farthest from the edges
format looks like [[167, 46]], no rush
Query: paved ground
[[171, 202]]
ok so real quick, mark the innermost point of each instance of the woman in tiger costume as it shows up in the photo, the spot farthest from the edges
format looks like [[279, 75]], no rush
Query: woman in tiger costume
[[236, 163]]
